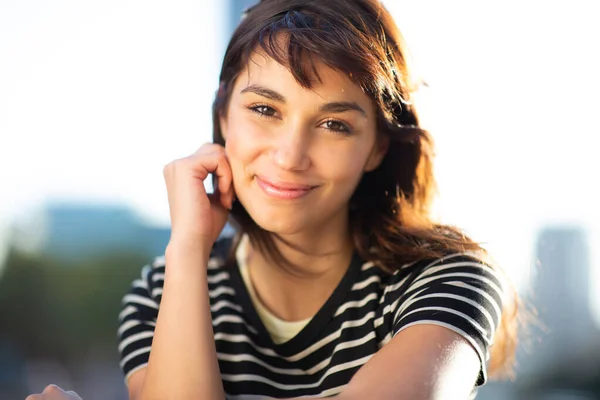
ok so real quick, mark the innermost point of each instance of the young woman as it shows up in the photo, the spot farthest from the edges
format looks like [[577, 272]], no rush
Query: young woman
[[337, 282]]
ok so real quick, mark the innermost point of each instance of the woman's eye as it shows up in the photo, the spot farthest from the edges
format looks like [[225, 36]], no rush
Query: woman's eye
[[264, 111], [336, 126]]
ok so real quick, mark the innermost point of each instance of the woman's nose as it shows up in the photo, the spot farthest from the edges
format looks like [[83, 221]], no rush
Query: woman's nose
[[290, 152]]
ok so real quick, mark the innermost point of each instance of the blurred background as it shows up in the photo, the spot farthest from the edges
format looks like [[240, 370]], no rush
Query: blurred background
[[97, 96]]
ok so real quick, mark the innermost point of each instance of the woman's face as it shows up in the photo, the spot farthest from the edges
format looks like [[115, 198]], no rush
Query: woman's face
[[298, 154]]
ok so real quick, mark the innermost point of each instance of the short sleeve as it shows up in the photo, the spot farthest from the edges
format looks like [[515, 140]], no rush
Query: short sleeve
[[458, 292], [137, 318]]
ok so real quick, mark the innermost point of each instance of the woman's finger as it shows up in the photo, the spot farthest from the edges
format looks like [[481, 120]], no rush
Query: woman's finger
[[52, 390], [215, 162]]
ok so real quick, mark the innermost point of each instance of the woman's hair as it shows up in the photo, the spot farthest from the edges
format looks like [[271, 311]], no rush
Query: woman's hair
[[390, 209]]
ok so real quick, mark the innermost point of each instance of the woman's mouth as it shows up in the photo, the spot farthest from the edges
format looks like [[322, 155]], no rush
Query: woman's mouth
[[283, 190]]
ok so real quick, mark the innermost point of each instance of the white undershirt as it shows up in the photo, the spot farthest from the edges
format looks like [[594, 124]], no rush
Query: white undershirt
[[281, 331]]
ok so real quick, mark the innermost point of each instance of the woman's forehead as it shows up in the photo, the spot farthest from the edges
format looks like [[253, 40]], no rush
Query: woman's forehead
[[261, 69]]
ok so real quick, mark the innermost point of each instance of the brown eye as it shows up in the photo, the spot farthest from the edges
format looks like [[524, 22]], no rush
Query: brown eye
[[263, 110], [337, 126]]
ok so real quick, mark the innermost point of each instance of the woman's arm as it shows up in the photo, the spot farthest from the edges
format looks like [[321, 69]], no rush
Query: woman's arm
[[423, 362], [183, 360], [135, 383]]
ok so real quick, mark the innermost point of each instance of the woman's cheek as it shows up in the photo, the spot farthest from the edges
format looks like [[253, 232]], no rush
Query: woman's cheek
[[340, 161], [245, 141], [247, 128]]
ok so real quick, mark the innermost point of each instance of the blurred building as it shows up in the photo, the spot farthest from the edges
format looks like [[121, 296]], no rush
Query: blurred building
[[72, 231], [564, 361], [562, 294]]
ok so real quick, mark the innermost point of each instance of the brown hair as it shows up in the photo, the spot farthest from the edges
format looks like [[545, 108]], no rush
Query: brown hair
[[390, 212]]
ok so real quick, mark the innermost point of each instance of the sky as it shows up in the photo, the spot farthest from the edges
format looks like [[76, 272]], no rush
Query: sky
[[97, 96]]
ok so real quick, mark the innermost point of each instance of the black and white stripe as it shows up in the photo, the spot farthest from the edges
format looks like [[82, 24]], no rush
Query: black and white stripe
[[367, 309]]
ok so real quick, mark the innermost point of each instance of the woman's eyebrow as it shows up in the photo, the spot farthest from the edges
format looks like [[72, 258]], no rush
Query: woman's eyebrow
[[335, 107], [264, 92], [341, 106]]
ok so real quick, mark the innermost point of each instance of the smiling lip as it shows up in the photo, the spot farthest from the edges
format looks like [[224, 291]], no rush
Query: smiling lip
[[283, 190]]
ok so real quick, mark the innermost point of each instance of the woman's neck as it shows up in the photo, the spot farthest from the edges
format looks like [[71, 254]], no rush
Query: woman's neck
[[315, 252], [319, 261]]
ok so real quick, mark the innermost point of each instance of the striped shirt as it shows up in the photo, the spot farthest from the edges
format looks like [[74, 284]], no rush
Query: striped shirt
[[366, 310]]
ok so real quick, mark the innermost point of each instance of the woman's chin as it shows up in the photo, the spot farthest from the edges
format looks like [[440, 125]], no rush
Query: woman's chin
[[281, 225]]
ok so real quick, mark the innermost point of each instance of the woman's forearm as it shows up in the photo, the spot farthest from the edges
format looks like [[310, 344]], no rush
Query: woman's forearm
[[183, 360]]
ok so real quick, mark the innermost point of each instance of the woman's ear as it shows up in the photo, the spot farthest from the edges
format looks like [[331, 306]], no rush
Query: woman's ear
[[380, 149]]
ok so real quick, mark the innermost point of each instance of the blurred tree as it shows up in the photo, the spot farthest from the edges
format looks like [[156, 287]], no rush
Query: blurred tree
[[51, 309]]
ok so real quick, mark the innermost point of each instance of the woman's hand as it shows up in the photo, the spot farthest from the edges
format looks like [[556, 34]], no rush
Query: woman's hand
[[53, 392], [198, 218]]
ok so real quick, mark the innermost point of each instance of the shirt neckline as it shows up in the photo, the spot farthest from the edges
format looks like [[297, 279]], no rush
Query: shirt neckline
[[316, 325], [279, 329]]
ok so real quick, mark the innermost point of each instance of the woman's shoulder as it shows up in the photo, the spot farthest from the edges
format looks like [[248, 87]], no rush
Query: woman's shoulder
[[465, 260], [460, 265], [451, 269]]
